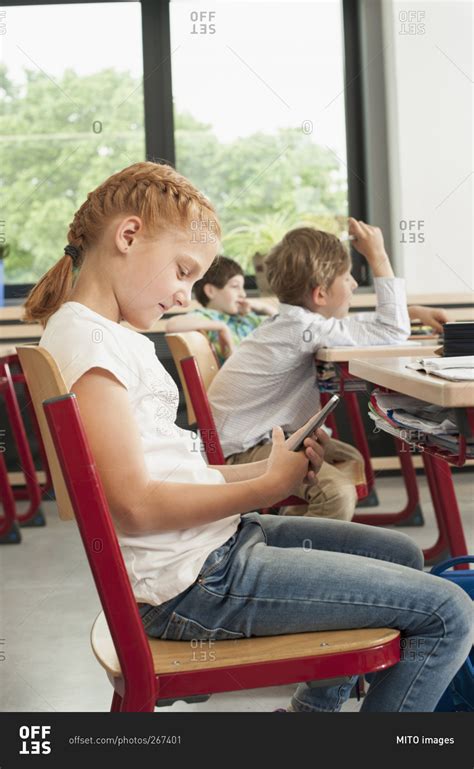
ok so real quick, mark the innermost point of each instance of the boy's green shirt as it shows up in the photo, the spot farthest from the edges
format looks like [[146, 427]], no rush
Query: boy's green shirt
[[239, 325]]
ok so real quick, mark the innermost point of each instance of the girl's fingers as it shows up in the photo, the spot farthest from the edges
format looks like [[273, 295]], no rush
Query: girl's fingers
[[314, 458]]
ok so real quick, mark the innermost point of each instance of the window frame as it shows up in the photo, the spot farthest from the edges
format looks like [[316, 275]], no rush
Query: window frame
[[158, 107]]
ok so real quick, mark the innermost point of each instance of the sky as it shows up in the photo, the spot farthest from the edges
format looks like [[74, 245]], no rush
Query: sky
[[240, 66]]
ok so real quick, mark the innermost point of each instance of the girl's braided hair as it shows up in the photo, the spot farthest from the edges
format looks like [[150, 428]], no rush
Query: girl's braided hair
[[155, 192]]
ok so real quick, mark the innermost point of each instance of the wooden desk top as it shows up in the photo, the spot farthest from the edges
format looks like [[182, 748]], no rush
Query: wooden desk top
[[343, 354], [18, 332], [360, 301], [392, 373], [7, 349]]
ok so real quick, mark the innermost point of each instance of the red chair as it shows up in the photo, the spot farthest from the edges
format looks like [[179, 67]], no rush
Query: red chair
[[33, 516], [10, 533], [148, 672]]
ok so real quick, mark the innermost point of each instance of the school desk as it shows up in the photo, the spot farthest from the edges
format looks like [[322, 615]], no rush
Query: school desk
[[339, 358], [393, 375]]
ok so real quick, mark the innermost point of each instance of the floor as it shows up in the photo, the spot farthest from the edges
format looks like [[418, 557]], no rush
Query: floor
[[48, 603]]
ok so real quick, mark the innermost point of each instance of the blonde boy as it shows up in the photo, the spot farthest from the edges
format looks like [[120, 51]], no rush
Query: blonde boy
[[271, 379]]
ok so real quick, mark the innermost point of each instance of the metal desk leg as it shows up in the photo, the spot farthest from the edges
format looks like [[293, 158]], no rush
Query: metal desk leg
[[412, 507], [446, 506], [413, 498]]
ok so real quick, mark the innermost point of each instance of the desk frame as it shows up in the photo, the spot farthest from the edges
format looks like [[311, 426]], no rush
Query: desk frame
[[438, 472]]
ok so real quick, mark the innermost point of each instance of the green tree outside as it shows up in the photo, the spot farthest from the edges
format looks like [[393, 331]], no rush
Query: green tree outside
[[60, 139]]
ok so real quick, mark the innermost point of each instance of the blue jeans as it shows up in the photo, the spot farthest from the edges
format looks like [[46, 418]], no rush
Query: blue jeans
[[279, 575]]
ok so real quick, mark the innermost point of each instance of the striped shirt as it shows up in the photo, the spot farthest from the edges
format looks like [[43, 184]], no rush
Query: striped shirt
[[271, 378]]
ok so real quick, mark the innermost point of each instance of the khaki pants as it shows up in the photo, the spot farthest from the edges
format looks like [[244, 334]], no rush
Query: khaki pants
[[333, 493]]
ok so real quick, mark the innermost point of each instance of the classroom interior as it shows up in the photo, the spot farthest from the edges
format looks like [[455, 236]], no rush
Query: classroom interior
[[335, 119]]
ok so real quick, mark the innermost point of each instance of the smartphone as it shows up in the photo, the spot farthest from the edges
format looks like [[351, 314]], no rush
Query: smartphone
[[317, 421]]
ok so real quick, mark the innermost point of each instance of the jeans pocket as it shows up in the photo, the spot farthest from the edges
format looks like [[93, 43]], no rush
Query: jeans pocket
[[183, 629], [149, 614], [217, 558]]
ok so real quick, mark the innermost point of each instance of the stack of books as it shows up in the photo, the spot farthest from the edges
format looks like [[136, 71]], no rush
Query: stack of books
[[417, 422], [329, 380], [458, 339]]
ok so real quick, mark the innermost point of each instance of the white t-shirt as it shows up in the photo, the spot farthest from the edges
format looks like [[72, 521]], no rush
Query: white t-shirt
[[164, 564]]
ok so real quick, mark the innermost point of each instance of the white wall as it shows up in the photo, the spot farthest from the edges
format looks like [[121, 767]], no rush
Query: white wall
[[428, 73]]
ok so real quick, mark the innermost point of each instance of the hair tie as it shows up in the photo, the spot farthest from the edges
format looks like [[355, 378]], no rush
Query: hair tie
[[73, 252]]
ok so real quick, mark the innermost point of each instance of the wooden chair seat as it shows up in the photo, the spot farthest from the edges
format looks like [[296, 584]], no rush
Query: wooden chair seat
[[184, 656]]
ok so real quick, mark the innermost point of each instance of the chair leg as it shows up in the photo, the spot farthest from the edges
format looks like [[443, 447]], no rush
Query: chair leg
[[116, 705]]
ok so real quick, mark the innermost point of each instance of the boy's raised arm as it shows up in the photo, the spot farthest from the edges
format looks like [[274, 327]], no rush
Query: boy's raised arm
[[389, 324], [368, 241]]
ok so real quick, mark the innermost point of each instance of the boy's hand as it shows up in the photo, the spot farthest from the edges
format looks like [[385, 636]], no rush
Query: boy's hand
[[225, 340], [257, 306], [285, 469], [244, 306], [368, 241], [429, 316]]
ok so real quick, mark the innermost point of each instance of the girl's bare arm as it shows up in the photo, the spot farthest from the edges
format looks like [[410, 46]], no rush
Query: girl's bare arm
[[141, 505]]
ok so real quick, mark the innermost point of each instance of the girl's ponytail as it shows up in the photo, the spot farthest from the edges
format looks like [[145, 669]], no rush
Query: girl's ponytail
[[50, 292]]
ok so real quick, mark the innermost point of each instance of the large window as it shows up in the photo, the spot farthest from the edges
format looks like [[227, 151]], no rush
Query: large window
[[258, 91], [246, 98], [72, 114]]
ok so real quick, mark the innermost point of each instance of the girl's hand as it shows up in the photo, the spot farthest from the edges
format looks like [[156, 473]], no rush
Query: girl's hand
[[315, 446], [285, 469], [429, 316], [225, 340], [295, 437]]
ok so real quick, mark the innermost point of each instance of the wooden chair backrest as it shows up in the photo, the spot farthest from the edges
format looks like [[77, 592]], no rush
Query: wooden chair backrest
[[45, 381], [196, 344]]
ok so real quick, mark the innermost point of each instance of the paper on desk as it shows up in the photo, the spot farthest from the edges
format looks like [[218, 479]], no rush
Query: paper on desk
[[455, 369]]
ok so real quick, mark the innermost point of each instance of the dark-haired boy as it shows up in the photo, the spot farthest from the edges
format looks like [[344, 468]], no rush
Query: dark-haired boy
[[226, 316]]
